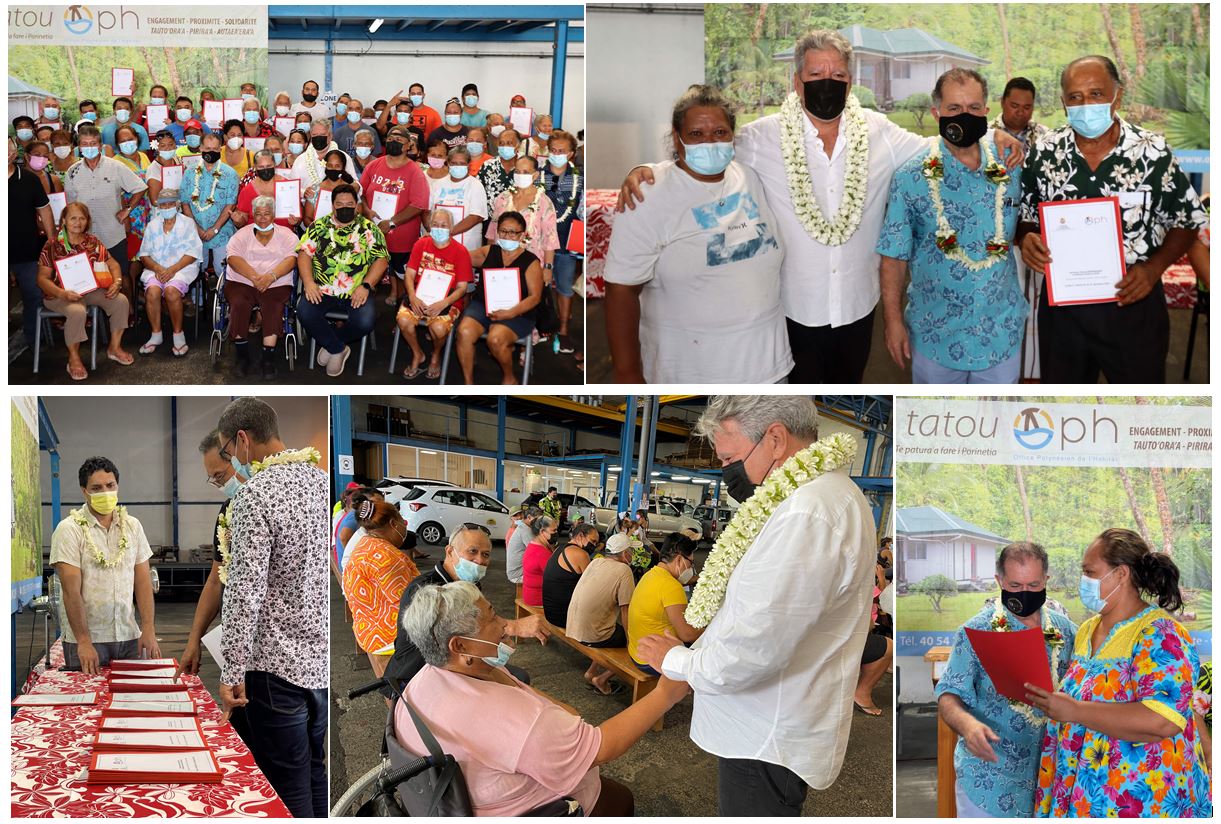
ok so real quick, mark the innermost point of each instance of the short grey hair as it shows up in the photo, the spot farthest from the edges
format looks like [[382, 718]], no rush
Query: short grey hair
[[267, 153], [463, 530], [438, 613], [755, 413], [1021, 551], [262, 202], [437, 212], [960, 76], [210, 441], [819, 40], [251, 415], [460, 150], [325, 122]]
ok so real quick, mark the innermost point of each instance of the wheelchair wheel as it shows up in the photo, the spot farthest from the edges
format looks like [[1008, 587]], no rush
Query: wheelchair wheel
[[216, 343], [362, 790], [290, 350]]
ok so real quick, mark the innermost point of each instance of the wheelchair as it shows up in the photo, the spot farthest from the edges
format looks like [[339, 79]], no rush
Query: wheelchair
[[290, 330]]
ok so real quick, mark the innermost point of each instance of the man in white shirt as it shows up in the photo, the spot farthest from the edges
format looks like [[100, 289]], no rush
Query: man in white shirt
[[775, 670], [100, 554], [309, 104], [310, 165], [829, 282]]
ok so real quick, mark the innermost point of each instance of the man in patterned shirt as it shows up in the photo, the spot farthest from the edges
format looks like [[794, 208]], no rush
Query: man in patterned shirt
[[1017, 112], [1099, 154], [275, 607]]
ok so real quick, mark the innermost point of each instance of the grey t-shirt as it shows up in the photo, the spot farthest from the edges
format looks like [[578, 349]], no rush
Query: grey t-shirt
[[514, 552]]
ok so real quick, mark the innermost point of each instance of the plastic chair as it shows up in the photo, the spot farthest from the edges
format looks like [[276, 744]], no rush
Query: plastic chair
[[44, 329], [449, 342], [360, 364], [527, 341], [1201, 308]]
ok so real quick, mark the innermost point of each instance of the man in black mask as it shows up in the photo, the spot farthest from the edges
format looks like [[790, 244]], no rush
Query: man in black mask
[[997, 757], [309, 102], [310, 165], [951, 219]]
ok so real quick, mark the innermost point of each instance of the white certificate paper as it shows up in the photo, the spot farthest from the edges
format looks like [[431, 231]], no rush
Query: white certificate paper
[[433, 286], [321, 209], [214, 113], [501, 288], [76, 274], [58, 201], [256, 144], [143, 682], [385, 205], [171, 177], [284, 125], [159, 738], [194, 761], [157, 117], [522, 120], [162, 722], [160, 672], [233, 108], [118, 663], [48, 699], [1084, 238], [149, 703], [288, 198], [117, 698], [191, 161], [122, 82]]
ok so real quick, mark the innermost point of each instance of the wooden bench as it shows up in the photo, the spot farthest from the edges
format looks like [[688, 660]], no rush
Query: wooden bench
[[615, 659]]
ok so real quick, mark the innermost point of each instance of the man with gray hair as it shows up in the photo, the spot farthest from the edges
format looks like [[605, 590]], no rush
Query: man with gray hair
[[784, 597], [310, 165], [826, 164], [275, 605], [515, 550]]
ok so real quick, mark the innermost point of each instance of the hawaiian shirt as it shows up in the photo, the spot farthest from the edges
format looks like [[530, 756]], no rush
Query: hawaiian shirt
[[218, 185], [1154, 193], [1005, 788], [494, 178], [957, 318], [342, 254], [1151, 659], [1029, 135], [567, 194], [167, 248]]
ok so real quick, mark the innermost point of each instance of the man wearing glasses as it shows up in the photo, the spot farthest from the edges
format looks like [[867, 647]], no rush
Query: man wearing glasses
[[950, 222]]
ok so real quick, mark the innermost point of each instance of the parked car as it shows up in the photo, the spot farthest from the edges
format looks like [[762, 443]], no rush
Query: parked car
[[713, 519], [664, 518], [396, 488], [583, 505], [434, 513]]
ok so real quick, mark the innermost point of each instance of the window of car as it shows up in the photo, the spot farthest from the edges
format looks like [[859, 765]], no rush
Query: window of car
[[453, 497], [666, 509], [486, 503], [414, 494], [582, 502]]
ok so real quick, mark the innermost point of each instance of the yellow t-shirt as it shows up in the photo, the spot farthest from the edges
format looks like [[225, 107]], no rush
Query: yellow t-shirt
[[646, 615]]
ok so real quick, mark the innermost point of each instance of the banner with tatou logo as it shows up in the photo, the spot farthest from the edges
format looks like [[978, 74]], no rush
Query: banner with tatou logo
[[167, 24]]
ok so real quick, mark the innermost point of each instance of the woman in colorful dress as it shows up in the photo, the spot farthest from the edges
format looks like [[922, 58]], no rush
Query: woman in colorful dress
[[128, 140], [1123, 740], [375, 574]]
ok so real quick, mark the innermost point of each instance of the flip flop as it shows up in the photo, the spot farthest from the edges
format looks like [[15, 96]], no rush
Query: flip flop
[[615, 689], [120, 360], [78, 376], [412, 372], [147, 348], [866, 710], [180, 351], [434, 372]]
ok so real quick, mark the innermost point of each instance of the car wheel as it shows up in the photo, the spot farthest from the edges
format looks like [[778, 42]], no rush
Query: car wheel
[[431, 533]]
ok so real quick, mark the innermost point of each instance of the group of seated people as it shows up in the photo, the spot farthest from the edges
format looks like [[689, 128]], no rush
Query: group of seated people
[[395, 187]]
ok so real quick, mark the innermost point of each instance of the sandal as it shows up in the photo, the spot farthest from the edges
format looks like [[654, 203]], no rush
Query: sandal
[[613, 688], [876, 711], [148, 347], [78, 375], [434, 372], [180, 351], [121, 358], [412, 372]]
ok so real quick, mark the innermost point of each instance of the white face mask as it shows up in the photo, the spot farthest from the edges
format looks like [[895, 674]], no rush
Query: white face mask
[[282, 111], [62, 151], [686, 575], [234, 143], [522, 181]]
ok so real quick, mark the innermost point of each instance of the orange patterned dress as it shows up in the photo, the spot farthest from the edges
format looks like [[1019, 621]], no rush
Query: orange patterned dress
[[374, 577]]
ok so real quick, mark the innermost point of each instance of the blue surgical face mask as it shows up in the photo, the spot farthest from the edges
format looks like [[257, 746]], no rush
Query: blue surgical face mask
[[183, 114], [364, 151], [458, 172], [50, 112], [503, 650], [296, 148], [470, 100], [544, 136], [269, 228], [122, 115], [247, 96], [506, 152], [1092, 119], [90, 116], [164, 155], [476, 149], [453, 119], [233, 485], [1089, 589], [353, 117], [250, 116], [278, 157], [341, 108], [469, 571], [167, 214], [90, 152], [25, 134], [708, 158], [403, 118], [508, 245], [193, 140], [417, 100], [559, 161], [439, 235], [245, 469], [128, 146], [156, 101]]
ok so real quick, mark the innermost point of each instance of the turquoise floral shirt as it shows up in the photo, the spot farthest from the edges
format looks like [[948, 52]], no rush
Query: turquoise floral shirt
[[1006, 788], [219, 186], [957, 318]]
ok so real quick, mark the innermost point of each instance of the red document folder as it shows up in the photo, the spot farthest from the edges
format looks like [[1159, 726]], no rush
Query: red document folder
[[98, 774], [111, 746], [119, 683], [142, 663], [112, 708], [576, 237], [1012, 659]]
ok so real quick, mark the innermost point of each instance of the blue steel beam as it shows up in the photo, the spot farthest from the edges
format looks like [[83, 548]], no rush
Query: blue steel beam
[[559, 65], [370, 11], [419, 32], [501, 406], [174, 468], [626, 439], [341, 429]]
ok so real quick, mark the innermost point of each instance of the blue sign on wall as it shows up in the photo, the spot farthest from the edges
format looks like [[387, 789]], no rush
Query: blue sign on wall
[[1193, 161]]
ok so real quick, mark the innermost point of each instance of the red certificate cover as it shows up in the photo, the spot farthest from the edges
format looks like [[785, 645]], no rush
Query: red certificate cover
[[1012, 659], [576, 237], [98, 775], [109, 746], [143, 685], [1043, 221], [112, 708], [142, 663]]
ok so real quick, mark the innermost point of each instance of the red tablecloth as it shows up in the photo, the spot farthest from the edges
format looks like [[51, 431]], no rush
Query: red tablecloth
[[1179, 283], [599, 215], [50, 750]]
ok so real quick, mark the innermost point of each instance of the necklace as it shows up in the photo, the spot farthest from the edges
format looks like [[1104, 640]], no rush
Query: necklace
[[103, 560], [571, 203], [1053, 637], [195, 196], [796, 168], [816, 459], [996, 249]]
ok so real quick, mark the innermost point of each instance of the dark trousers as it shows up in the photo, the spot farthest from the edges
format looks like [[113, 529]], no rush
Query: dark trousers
[[822, 354], [758, 789], [243, 297], [313, 318], [107, 651], [31, 297], [287, 727], [1127, 344]]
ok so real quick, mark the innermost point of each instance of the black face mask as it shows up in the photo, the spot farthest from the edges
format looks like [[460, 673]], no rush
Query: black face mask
[[825, 98], [309, 98], [333, 174], [737, 482], [211, 157], [394, 148], [1022, 603], [346, 214], [318, 141], [266, 174], [963, 130]]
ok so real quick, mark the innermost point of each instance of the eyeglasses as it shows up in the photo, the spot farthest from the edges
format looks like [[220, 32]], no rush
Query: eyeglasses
[[225, 454], [479, 527]]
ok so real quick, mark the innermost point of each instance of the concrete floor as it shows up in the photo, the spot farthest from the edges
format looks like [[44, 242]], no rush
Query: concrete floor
[[196, 367], [881, 369], [667, 773]]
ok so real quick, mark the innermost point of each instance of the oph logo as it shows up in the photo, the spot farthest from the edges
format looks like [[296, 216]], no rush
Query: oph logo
[[78, 19], [1029, 430]]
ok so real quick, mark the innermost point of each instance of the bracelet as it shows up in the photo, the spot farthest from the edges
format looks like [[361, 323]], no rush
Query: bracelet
[[367, 286], [547, 266]]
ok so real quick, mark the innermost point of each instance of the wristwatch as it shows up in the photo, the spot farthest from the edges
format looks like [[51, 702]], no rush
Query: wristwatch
[[367, 286], [547, 266], [391, 222]]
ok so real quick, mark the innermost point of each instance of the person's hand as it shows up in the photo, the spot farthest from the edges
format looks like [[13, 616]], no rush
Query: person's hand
[[1035, 253], [653, 648], [1137, 283], [898, 343], [114, 289], [434, 309], [394, 100], [312, 293], [384, 225], [418, 307], [359, 295], [70, 296], [293, 220], [211, 233], [188, 662], [532, 626], [978, 740], [239, 218], [311, 192], [631, 191], [498, 315], [88, 657], [148, 643], [674, 691], [232, 698], [164, 274], [1055, 705], [122, 214], [1011, 150]]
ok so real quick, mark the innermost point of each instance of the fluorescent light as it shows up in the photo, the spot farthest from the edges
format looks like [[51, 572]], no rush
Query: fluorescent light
[[616, 466], [375, 25], [654, 474], [680, 477], [428, 452]]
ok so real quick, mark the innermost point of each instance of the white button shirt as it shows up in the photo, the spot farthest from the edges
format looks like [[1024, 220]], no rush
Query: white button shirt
[[775, 671], [828, 285]]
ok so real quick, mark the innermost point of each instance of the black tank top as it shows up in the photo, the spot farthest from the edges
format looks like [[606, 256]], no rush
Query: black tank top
[[495, 260], [558, 585]]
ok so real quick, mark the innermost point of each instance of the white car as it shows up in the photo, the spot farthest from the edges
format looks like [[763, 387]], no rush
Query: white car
[[396, 488], [434, 513]]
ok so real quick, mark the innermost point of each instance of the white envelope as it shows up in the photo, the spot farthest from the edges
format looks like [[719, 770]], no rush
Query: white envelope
[[432, 286], [385, 205]]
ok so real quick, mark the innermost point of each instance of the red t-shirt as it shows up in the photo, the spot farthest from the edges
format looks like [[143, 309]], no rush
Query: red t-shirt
[[454, 260], [426, 119], [245, 203], [409, 183], [533, 561]]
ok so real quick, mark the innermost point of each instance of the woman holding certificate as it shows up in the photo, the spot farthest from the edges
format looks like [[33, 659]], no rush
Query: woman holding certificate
[[437, 275], [1125, 742], [75, 271], [262, 184], [512, 287], [527, 198]]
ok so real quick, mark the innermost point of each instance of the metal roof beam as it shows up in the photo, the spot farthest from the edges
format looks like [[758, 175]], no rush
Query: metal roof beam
[[432, 12], [417, 33]]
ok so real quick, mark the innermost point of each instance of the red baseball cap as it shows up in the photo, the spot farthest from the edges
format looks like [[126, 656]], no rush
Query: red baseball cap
[[192, 124]]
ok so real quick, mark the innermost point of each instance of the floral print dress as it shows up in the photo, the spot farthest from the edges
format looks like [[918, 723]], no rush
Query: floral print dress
[[1151, 659]]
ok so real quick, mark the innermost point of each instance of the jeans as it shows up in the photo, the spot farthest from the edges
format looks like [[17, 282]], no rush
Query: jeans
[[107, 651], [758, 789], [31, 297], [926, 371], [564, 269], [288, 739], [313, 318]]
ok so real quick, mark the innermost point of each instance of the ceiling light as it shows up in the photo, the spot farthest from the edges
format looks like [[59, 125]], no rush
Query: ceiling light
[[375, 25], [428, 452]]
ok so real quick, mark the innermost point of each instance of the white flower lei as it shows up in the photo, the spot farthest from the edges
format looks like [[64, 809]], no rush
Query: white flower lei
[[817, 459], [801, 188], [947, 237], [104, 560], [572, 201], [307, 455], [1052, 636]]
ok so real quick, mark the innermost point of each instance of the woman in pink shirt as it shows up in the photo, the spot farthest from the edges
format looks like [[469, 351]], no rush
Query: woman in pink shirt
[[516, 748], [262, 259], [534, 560]]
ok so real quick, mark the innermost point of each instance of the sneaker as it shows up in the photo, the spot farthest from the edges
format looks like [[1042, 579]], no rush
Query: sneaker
[[566, 344], [269, 363], [335, 368], [324, 357]]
